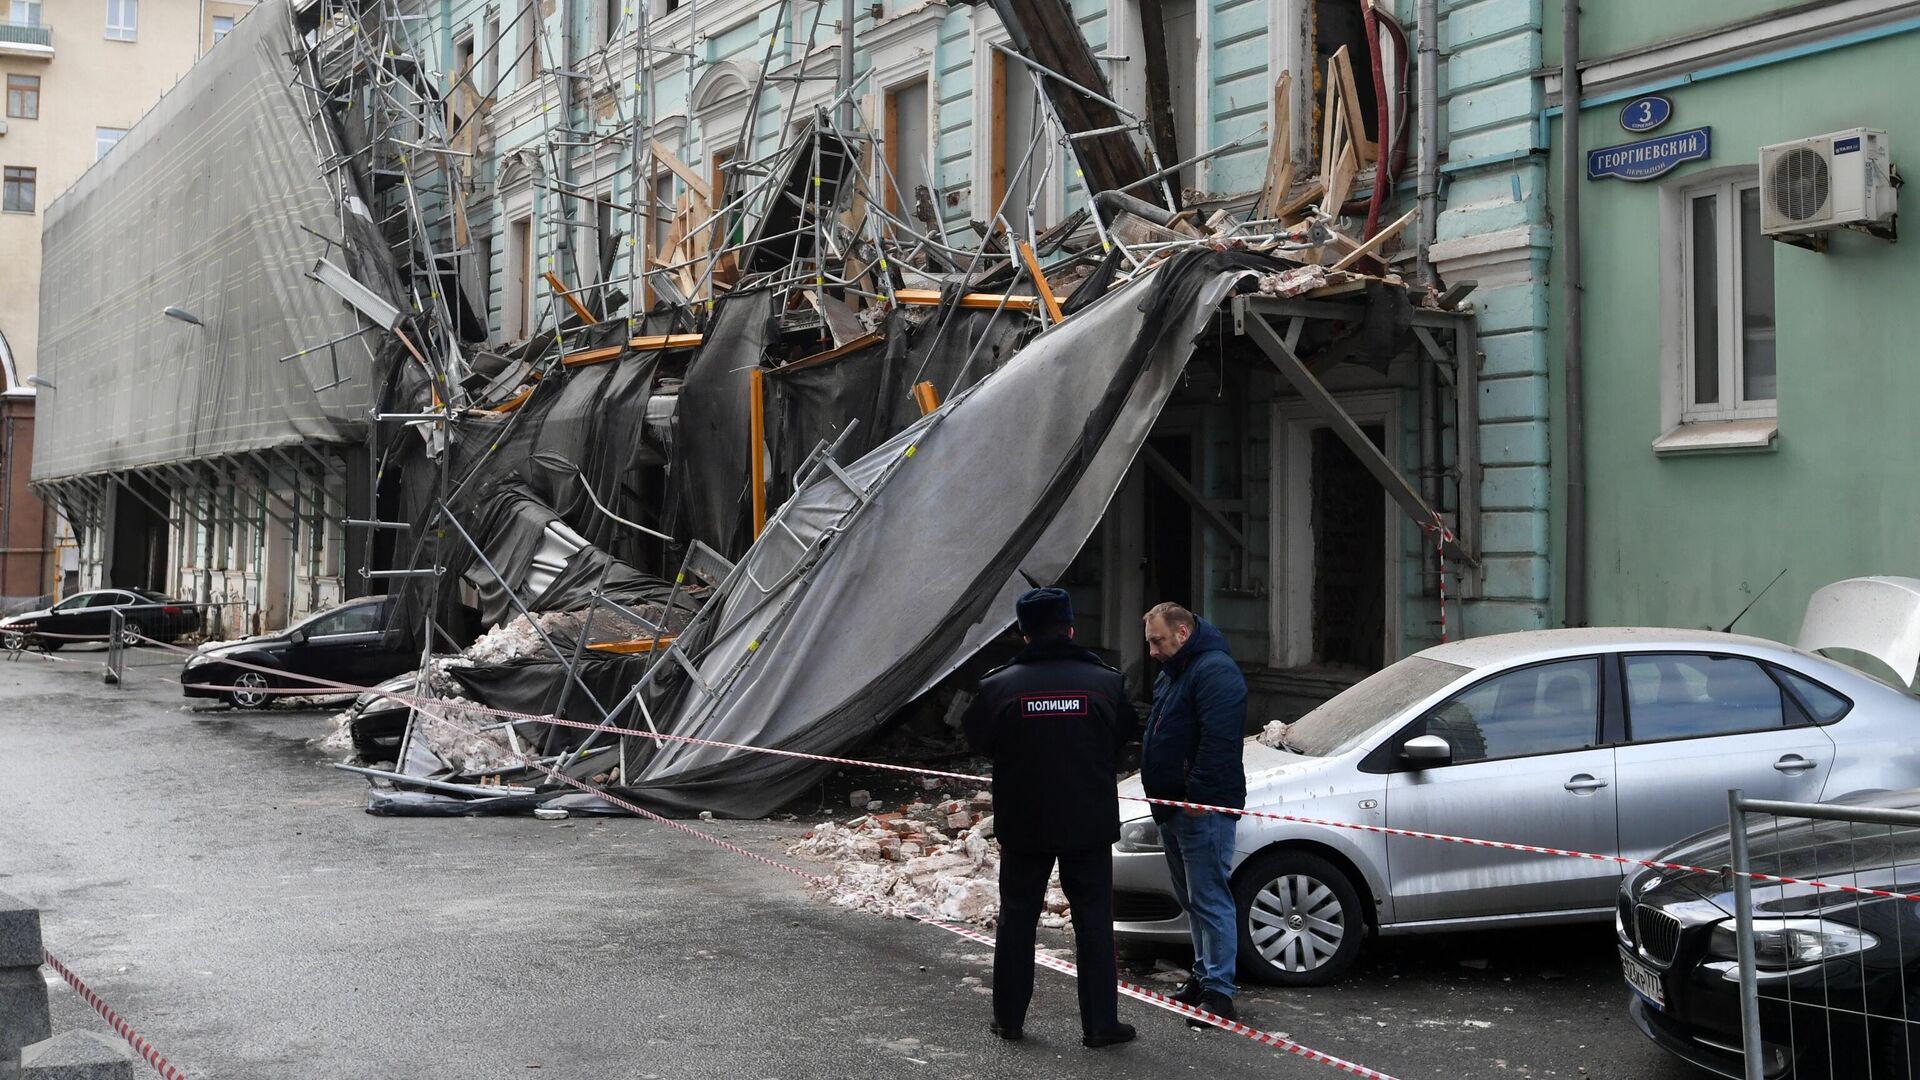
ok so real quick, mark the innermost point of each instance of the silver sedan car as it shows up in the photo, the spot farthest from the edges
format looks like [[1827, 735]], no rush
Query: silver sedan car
[[1613, 741]]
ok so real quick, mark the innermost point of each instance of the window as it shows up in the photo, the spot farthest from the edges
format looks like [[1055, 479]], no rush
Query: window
[[520, 278], [24, 13], [23, 97], [908, 149], [1822, 704], [1729, 363], [1684, 696], [529, 60], [104, 140], [358, 619], [123, 20], [17, 189], [610, 13], [1544, 709], [490, 49], [222, 26]]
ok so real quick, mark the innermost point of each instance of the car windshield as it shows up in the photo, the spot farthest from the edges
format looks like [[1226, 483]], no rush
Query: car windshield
[[1340, 724]]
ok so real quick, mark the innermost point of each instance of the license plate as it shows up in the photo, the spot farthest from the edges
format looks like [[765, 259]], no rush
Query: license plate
[[1644, 980]]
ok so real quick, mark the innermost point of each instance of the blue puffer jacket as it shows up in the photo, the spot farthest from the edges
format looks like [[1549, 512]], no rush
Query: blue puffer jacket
[[1191, 750]]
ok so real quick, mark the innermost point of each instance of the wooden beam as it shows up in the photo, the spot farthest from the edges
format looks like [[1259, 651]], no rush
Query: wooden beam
[[997, 131], [1185, 489], [592, 356], [1373, 242], [927, 396], [1160, 119], [580, 309], [687, 173], [1364, 149], [657, 342], [636, 645], [1279, 175], [1040, 282], [931, 297], [861, 342]]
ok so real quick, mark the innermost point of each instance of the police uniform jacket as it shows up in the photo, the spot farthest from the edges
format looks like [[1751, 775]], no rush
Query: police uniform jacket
[[1053, 721]]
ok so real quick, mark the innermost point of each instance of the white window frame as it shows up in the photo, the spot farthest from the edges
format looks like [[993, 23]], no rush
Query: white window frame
[[219, 33], [123, 20], [1730, 363], [25, 12], [104, 140]]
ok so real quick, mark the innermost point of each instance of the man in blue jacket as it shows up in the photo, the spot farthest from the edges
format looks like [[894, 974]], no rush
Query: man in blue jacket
[[1191, 753]]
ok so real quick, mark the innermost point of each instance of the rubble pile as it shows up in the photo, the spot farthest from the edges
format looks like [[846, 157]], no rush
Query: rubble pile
[[938, 860]]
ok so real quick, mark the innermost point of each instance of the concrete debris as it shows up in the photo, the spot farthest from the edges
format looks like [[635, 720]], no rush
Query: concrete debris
[[513, 640], [473, 754], [1272, 735], [933, 859]]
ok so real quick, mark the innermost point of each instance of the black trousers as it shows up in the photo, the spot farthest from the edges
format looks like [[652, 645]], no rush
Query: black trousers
[[1087, 879]]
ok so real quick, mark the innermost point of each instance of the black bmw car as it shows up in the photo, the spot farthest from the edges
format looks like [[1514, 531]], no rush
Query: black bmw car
[[1839, 973], [347, 644], [89, 615]]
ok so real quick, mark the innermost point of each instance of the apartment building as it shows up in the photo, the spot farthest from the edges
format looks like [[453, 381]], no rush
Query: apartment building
[[77, 75]]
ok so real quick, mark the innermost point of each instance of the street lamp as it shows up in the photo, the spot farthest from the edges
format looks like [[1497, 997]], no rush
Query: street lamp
[[183, 315], [35, 380]]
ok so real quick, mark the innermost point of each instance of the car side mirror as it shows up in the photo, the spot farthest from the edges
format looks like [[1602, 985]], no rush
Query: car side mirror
[[1426, 751], [298, 637]]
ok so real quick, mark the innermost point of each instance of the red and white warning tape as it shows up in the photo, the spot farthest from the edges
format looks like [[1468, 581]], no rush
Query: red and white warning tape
[[1140, 993], [433, 706], [160, 1064]]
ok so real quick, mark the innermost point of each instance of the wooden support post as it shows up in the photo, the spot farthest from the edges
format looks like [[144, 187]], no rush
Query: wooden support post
[[757, 446], [927, 396], [1376, 240], [573, 301], [1040, 282]]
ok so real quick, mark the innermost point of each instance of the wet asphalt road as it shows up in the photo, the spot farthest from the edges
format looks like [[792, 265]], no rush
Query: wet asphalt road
[[218, 884]]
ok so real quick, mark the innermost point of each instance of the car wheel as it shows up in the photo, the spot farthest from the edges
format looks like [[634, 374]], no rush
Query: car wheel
[[250, 690], [131, 632], [1301, 922]]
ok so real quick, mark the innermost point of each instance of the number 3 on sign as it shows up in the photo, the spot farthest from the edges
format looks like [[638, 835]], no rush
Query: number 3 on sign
[[1645, 113]]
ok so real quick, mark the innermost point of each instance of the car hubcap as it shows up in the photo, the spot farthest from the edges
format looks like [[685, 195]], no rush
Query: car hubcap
[[130, 633], [252, 686], [1297, 923]]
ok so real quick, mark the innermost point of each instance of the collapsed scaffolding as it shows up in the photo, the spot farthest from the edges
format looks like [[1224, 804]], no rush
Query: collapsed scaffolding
[[652, 511]]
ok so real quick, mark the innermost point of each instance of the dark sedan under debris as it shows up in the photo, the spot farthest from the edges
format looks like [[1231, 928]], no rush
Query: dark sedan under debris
[[348, 644], [1839, 973]]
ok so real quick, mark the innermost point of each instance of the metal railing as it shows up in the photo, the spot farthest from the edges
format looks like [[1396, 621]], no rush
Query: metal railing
[[13, 33], [1887, 1041]]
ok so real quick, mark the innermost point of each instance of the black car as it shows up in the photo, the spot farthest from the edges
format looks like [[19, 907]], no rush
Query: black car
[[347, 644], [90, 615], [1839, 973]]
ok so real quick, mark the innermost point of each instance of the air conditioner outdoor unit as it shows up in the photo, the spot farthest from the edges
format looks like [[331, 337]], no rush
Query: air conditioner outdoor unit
[[3, 127], [1841, 180]]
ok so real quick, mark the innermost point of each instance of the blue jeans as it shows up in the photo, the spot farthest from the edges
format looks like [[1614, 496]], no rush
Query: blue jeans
[[1199, 853]]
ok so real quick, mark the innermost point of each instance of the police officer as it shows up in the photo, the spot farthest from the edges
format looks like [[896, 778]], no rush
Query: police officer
[[1053, 721]]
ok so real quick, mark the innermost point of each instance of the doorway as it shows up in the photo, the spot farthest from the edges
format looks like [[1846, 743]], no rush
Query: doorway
[[1349, 526], [1169, 561], [140, 541]]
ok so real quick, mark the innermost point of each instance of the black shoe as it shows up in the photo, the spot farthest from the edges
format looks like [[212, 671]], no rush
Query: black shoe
[[1215, 1002], [1010, 1034], [1113, 1036], [1189, 992]]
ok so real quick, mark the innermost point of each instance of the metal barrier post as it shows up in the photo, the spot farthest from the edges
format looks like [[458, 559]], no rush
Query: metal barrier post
[[116, 646], [1743, 936]]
